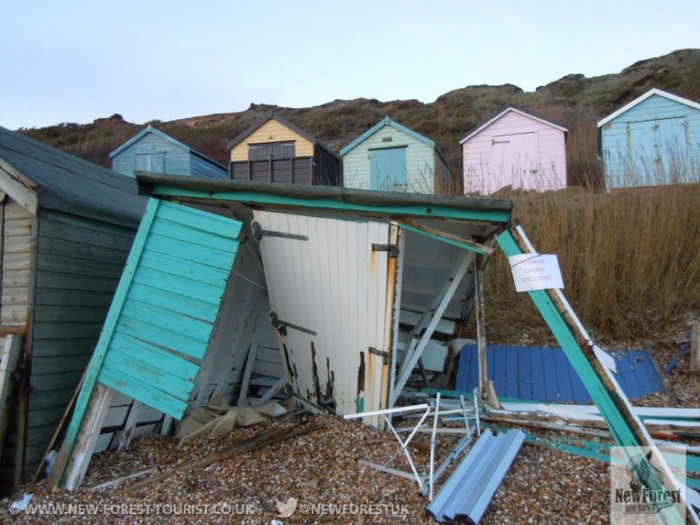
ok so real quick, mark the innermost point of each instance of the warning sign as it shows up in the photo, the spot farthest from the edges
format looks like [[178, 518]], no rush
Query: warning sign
[[533, 271]]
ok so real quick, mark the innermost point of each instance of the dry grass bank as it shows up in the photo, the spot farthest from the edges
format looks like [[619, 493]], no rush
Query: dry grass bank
[[630, 261]]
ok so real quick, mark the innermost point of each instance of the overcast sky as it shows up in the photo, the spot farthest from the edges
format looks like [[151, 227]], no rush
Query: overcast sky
[[78, 60]]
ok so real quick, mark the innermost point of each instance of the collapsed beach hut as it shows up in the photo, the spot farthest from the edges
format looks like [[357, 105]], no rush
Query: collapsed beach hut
[[352, 285], [246, 290]]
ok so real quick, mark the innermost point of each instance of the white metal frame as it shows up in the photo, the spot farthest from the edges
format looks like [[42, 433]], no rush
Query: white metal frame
[[423, 411]]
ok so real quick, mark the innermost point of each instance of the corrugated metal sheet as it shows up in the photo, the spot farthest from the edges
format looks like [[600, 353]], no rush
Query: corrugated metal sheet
[[469, 490], [165, 320], [333, 288], [545, 374]]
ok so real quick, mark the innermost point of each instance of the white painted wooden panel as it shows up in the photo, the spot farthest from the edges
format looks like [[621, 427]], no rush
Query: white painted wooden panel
[[332, 284], [17, 255]]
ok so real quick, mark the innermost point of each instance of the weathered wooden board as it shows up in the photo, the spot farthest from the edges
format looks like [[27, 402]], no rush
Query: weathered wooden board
[[334, 287]]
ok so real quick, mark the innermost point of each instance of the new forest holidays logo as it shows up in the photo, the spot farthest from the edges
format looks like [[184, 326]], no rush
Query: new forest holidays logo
[[644, 494]]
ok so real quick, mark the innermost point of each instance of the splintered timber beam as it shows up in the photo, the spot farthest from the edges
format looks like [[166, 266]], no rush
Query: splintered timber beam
[[625, 427], [480, 323]]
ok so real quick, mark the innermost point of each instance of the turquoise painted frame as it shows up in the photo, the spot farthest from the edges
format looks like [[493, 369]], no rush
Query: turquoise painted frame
[[438, 212], [619, 428]]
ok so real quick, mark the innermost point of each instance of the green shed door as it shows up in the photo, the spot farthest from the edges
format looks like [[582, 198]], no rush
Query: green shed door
[[163, 312], [388, 169]]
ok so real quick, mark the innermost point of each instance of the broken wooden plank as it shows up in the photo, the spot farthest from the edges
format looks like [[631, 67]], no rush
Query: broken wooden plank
[[444, 236], [76, 465], [695, 347], [274, 389], [119, 480], [250, 362], [130, 425], [262, 439], [481, 324]]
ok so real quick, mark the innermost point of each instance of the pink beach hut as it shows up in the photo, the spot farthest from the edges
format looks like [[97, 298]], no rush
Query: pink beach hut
[[515, 148]]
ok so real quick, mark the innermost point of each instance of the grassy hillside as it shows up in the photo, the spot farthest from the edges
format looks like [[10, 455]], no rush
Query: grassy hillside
[[630, 259], [575, 101]]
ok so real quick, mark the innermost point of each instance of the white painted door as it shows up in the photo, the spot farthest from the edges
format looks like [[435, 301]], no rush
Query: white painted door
[[328, 295], [515, 161]]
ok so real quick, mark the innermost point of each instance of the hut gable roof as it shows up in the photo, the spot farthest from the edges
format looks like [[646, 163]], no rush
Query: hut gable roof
[[386, 121], [501, 114], [644, 97], [272, 115], [70, 184], [150, 129]]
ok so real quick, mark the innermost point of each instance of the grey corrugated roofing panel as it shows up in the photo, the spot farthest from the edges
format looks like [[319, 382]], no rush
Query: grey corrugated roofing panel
[[71, 184], [469, 490], [339, 193]]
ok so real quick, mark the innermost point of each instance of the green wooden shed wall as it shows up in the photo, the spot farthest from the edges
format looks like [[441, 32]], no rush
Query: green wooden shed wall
[[67, 229]]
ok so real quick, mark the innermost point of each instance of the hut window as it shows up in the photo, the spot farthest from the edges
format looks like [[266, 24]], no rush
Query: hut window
[[153, 162], [272, 150]]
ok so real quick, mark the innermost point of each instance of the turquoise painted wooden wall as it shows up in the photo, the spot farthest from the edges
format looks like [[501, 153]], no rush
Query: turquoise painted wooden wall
[[158, 328], [655, 142]]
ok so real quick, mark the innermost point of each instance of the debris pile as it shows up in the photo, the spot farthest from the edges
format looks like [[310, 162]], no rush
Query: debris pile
[[319, 470]]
